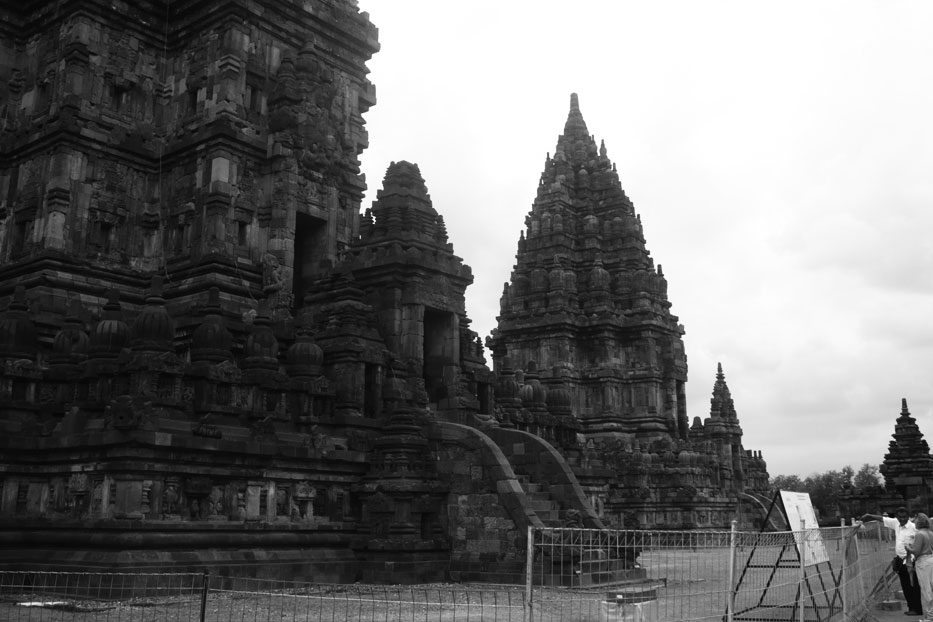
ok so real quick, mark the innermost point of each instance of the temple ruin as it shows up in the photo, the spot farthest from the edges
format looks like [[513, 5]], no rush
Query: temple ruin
[[212, 356]]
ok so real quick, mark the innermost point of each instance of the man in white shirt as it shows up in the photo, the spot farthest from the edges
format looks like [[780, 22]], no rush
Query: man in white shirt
[[904, 531]]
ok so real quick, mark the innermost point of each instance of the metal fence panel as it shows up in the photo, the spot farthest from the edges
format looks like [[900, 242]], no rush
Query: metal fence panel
[[65, 596], [253, 599], [576, 574], [585, 574]]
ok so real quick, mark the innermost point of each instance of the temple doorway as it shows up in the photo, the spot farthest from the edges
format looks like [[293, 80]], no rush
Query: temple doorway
[[310, 249], [440, 350]]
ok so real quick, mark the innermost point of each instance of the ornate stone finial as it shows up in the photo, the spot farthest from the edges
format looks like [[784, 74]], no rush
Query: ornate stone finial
[[111, 333], [304, 357], [574, 131], [904, 410], [211, 341], [153, 329], [261, 350]]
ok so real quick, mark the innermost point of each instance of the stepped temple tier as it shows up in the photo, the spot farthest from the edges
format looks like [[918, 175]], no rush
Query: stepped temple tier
[[212, 356]]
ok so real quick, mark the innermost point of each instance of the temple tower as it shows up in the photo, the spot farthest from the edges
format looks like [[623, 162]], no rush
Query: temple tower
[[908, 466], [585, 297], [212, 142], [416, 286]]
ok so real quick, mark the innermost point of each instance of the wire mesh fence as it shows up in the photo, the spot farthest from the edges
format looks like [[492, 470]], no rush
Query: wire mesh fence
[[573, 574], [59, 596], [706, 576], [252, 599]]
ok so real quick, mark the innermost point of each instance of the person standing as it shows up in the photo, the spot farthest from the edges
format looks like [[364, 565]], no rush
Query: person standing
[[904, 531], [922, 550]]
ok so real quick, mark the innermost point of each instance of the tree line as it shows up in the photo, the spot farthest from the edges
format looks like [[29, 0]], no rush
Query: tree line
[[825, 488]]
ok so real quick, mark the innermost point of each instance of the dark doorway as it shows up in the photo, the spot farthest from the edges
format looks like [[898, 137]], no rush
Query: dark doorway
[[372, 391], [310, 249], [440, 341]]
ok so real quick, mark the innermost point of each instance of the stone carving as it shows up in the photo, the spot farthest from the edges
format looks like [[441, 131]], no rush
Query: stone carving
[[215, 503], [281, 502], [205, 427], [264, 427], [170, 498], [273, 274], [125, 413]]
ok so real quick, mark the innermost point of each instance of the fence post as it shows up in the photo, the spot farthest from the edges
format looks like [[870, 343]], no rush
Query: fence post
[[846, 574], [730, 606], [204, 588], [860, 585], [801, 600], [529, 569]]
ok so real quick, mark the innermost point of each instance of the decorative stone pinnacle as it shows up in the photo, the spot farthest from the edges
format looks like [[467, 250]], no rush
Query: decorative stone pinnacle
[[574, 102]]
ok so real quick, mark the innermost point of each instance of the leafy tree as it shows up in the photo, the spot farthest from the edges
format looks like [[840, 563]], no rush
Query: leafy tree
[[867, 476], [787, 482], [825, 488]]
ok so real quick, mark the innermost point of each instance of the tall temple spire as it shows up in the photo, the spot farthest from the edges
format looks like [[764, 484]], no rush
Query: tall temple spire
[[602, 305], [721, 404]]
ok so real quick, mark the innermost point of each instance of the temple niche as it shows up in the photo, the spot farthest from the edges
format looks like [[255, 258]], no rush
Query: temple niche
[[205, 339]]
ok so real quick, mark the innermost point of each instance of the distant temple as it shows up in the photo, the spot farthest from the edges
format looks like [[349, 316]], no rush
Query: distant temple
[[907, 470], [210, 356]]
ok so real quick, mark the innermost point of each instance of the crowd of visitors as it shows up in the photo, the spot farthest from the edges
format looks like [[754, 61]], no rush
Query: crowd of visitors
[[913, 558]]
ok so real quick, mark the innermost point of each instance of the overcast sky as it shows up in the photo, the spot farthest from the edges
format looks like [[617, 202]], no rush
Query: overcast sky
[[780, 155]]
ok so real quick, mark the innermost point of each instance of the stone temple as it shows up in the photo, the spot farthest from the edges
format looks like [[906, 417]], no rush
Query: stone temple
[[210, 355], [907, 470]]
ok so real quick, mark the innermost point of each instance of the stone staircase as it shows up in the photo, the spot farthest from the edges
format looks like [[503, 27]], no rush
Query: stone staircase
[[581, 566], [541, 501], [572, 566]]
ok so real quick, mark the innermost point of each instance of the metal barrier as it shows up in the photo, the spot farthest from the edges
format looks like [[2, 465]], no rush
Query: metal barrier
[[691, 576], [573, 574], [149, 597]]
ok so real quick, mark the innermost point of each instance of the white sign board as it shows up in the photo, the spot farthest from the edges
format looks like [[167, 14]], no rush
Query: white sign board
[[798, 508]]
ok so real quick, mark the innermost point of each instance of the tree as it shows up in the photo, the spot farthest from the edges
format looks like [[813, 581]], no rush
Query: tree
[[825, 488], [867, 477], [787, 482]]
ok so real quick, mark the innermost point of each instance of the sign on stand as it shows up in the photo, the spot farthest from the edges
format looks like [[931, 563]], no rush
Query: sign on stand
[[788, 576], [799, 511]]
